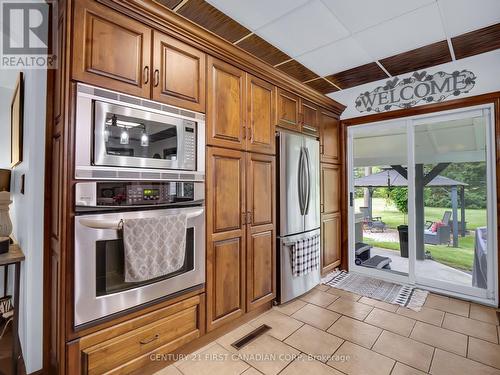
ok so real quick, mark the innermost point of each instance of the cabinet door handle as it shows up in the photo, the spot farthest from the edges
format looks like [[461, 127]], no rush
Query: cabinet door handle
[[244, 132], [157, 78], [150, 340], [321, 149], [146, 74], [243, 218]]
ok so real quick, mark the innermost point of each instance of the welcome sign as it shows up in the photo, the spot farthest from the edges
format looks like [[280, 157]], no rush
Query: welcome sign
[[408, 92]]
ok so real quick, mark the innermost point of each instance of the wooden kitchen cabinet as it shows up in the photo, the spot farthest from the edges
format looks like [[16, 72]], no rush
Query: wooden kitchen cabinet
[[310, 118], [288, 109], [178, 73], [261, 97], [261, 231], [226, 216], [329, 137], [110, 49], [226, 105], [330, 242], [330, 188]]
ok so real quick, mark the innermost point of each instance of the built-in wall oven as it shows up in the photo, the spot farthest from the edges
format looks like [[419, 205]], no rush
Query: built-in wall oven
[[120, 136], [101, 208]]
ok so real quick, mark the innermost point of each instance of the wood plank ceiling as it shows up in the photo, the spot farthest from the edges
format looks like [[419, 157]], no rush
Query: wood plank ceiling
[[464, 45]]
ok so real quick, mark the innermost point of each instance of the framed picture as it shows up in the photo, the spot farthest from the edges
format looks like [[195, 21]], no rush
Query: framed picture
[[16, 123]]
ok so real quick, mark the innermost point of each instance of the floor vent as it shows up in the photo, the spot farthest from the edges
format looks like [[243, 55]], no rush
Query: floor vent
[[250, 336]]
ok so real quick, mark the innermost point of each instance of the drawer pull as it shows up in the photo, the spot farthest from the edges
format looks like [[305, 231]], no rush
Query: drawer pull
[[150, 340]]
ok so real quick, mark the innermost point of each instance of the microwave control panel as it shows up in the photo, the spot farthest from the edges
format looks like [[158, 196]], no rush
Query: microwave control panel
[[189, 142]]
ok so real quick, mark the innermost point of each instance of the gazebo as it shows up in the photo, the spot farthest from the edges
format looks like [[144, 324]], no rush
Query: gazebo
[[397, 176]]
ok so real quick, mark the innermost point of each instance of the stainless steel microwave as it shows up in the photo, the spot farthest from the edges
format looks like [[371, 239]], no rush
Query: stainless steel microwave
[[124, 137]]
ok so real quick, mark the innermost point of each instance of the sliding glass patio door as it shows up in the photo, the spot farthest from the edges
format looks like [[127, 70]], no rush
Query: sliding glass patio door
[[423, 202]]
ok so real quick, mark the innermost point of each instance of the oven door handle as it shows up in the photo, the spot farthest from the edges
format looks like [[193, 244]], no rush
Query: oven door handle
[[118, 225]]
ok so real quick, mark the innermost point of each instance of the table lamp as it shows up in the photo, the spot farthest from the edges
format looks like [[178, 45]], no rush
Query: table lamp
[[5, 223]]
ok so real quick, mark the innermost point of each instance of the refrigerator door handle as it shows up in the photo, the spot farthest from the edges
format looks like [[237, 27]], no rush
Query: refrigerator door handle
[[307, 163], [300, 182]]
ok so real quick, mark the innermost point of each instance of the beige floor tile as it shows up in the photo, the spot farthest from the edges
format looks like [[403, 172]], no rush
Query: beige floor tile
[[350, 308], [282, 325], [306, 365], [322, 287], [390, 321], [214, 360], [448, 304], [236, 334], [402, 369], [380, 304], [252, 371], [344, 293], [316, 316], [403, 349], [426, 314], [317, 297], [483, 313], [290, 307], [471, 327], [355, 331], [268, 355], [484, 351], [356, 360], [315, 342], [169, 370], [440, 338], [445, 363]]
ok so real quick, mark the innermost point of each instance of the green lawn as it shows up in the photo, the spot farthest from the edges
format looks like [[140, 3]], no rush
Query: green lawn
[[461, 257], [392, 217]]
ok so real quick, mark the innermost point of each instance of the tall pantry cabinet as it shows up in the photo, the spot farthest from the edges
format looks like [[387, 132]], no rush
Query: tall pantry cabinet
[[240, 180]]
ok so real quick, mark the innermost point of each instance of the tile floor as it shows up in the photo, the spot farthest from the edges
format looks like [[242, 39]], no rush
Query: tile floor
[[329, 331]]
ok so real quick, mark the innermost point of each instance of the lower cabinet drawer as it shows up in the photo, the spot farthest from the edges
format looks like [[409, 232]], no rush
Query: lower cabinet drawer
[[128, 351]]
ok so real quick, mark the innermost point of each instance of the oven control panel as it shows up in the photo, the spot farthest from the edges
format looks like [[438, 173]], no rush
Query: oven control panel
[[149, 194]]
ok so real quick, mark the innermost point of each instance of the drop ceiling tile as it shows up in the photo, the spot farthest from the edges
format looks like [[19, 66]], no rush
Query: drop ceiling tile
[[256, 13], [257, 46], [336, 57], [357, 15], [476, 42], [308, 27], [357, 76], [461, 16], [412, 30], [420, 58], [202, 13], [297, 70], [322, 85]]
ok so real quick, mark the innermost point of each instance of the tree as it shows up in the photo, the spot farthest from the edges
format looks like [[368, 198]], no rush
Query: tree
[[399, 195]]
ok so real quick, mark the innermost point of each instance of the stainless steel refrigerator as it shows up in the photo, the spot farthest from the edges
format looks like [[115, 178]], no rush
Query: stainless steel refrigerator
[[299, 211]]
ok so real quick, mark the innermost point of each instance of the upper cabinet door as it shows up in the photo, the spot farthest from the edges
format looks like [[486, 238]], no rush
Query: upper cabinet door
[[261, 97], [226, 108], [330, 148], [179, 73], [111, 50], [288, 110], [310, 118]]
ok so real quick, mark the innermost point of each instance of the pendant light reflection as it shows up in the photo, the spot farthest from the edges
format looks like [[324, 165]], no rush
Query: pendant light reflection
[[124, 137], [144, 139]]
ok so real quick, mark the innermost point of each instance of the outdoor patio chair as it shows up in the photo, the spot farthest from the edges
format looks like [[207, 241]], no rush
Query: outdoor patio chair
[[441, 232], [372, 223]]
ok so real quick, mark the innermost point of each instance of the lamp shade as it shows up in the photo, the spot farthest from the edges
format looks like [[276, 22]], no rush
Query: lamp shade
[[4, 179]]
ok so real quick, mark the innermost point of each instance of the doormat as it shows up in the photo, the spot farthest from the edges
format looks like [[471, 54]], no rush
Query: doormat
[[397, 294]]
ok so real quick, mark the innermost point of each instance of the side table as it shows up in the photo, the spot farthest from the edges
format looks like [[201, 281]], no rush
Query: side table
[[14, 257]]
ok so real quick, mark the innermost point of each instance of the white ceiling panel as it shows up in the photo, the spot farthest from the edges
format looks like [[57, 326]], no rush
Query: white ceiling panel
[[462, 16], [304, 29], [336, 57], [255, 13], [357, 15], [412, 30]]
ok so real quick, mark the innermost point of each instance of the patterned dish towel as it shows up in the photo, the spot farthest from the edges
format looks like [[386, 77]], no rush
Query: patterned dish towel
[[154, 246], [305, 255]]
